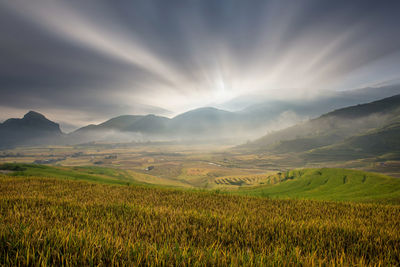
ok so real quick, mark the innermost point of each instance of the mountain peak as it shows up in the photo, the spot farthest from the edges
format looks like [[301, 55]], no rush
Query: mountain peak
[[32, 129], [34, 115], [207, 109]]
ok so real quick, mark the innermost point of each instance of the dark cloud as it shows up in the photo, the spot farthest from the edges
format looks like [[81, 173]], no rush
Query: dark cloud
[[113, 57]]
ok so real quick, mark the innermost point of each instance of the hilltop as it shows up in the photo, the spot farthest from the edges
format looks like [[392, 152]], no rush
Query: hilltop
[[336, 127]]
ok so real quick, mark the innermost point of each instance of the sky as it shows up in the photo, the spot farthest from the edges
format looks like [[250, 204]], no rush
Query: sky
[[81, 62]]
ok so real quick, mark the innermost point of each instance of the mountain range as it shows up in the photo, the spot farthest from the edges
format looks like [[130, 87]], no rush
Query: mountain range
[[198, 124], [331, 131], [217, 124]]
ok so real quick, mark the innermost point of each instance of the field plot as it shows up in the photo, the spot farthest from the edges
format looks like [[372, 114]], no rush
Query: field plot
[[247, 180], [177, 165], [88, 173], [55, 221], [329, 184], [165, 165]]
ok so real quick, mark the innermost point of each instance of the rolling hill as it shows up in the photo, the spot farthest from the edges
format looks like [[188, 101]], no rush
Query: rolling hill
[[331, 128], [125, 128], [96, 174], [376, 142], [331, 184], [206, 123], [202, 123], [266, 110], [149, 124], [120, 122]]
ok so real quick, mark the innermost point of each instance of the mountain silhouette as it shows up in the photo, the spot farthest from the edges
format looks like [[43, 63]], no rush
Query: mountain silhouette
[[32, 129]]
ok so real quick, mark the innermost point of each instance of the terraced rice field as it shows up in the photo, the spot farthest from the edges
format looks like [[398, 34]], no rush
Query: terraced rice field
[[45, 221]]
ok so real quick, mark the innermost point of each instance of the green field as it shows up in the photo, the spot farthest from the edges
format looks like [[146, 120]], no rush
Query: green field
[[333, 184], [86, 173], [58, 215], [95, 174], [48, 221], [330, 184]]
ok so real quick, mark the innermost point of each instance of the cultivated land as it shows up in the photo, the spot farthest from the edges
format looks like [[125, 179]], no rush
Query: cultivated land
[[185, 165], [177, 205], [56, 221], [319, 184], [330, 184]]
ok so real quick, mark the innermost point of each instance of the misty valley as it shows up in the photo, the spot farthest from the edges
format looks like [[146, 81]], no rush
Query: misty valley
[[199, 133], [152, 181], [363, 137]]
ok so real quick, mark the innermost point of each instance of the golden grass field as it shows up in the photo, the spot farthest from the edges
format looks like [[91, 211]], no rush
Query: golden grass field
[[60, 222]]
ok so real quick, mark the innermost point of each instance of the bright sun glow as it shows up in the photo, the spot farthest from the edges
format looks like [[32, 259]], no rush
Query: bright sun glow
[[221, 93]]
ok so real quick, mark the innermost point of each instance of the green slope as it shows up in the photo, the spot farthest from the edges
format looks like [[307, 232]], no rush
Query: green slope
[[93, 174], [371, 144], [320, 184], [88, 173], [331, 128], [332, 184]]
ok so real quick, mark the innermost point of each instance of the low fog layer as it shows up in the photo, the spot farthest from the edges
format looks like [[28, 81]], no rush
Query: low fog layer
[[336, 127], [213, 125]]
